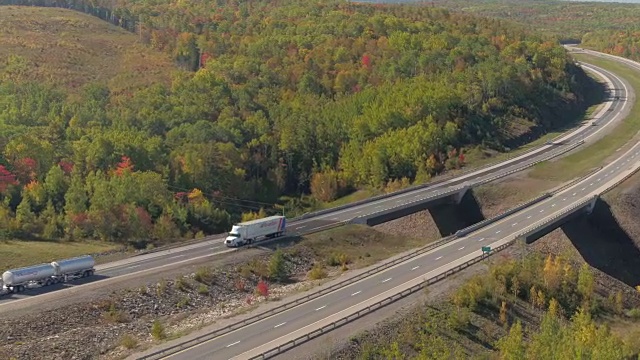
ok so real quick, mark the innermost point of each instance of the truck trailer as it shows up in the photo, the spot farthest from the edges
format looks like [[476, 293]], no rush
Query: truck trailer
[[250, 231], [16, 280]]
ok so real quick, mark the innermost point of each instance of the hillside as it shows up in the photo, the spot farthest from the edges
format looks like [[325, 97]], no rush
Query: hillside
[[72, 49], [281, 106], [607, 27]]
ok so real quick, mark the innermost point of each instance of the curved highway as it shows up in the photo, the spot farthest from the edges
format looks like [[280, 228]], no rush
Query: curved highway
[[263, 335], [611, 112]]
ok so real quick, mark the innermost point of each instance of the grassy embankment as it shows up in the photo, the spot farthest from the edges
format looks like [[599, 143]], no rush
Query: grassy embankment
[[23, 253], [582, 161]]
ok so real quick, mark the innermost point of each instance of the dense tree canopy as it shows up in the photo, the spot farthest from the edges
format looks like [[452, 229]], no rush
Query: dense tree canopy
[[609, 27], [281, 96]]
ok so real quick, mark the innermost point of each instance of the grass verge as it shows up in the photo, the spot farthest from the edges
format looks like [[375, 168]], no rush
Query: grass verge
[[582, 161], [24, 253], [362, 245]]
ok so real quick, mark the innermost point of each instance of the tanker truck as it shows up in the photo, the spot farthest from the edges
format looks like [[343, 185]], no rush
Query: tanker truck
[[250, 231], [16, 280]]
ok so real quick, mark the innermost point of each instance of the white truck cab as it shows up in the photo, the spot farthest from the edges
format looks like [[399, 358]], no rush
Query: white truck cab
[[249, 231]]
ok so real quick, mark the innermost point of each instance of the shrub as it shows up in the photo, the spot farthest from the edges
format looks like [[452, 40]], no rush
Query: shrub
[[162, 287], [183, 284], [128, 341], [263, 288], [157, 330], [634, 313], [203, 289], [114, 315], [183, 302], [317, 272], [204, 275], [278, 266]]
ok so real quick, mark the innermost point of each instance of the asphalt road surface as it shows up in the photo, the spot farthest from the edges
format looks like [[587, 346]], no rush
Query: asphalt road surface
[[243, 342], [613, 111]]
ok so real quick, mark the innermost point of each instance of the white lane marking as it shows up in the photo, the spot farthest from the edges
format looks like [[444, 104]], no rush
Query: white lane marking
[[480, 239], [415, 267], [235, 343], [542, 210], [563, 199], [552, 205], [514, 224], [385, 280], [334, 219], [462, 248], [133, 266], [582, 189], [356, 293], [378, 207], [301, 227], [279, 325], [358, 212], [529, 217], [176, 256], [439, 257], [321, 307], [574, 194], [498, 232]]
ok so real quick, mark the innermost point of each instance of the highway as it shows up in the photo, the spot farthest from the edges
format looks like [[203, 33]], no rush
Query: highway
[[612, 111], [262, 335]]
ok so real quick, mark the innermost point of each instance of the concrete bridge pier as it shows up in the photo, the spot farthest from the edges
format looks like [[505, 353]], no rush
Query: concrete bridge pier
[[457, 197]]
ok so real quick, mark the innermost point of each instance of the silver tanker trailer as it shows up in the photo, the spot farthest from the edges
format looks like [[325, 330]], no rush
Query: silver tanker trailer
[[16, 280]]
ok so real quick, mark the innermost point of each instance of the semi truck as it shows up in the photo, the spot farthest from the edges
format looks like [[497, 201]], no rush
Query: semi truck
[[250, 231], [17, 280]]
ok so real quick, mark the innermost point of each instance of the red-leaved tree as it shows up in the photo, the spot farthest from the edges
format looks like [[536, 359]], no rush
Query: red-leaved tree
[[6, 179], [26, 169], [366, 61], [124, 166], [66, 166]]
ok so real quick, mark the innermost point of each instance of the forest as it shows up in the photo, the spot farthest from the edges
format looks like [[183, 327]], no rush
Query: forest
[[608, 27], [286, 98]]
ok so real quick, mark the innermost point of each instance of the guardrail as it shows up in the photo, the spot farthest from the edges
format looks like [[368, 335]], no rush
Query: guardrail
[[304, 338], [359, 219], [540, 224], [178, 347], [621, 180], [483, 223]]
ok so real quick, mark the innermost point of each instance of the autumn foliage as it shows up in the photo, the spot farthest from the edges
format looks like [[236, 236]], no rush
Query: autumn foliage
[[263, 288], [347, 97]]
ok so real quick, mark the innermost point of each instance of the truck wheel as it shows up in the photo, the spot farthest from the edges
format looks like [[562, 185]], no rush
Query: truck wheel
[[47, 283]]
